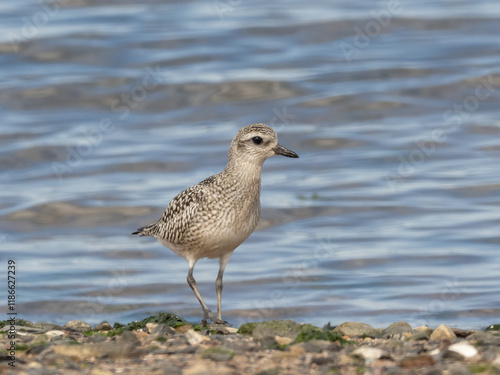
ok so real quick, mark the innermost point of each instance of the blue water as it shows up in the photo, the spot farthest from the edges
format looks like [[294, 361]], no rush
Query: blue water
[[391, 213]]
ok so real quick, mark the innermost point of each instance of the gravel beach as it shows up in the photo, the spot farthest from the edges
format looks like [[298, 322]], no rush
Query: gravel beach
[[166, 344]]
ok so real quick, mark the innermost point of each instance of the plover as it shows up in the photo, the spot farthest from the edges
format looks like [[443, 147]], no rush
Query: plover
[[212, 218]]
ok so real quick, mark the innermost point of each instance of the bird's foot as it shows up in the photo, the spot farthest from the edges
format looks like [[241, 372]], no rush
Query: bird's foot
[[220, 321], [209, 315]]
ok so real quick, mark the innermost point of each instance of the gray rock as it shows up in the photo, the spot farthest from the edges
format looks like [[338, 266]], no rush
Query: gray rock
[[265, 332], [44, 326], [484, 338], [96, 338], [77, 325], [370, 353], [458, 369], [464, 348], [396, 330], [163, 330], [328, 359], [312, 346], [353, 329], [238, 344], [377, 333], [44, 371], [425, 329], [443, 332], [419, 335], [104, 326]]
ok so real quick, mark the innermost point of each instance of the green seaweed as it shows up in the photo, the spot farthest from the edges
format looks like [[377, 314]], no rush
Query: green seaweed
[[310, 332], [493, 327], [484, 368], [247, 328], [168, 319], [19, 322]]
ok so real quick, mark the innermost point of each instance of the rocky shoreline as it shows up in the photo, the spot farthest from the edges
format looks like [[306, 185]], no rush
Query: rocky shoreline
[[166, 344]]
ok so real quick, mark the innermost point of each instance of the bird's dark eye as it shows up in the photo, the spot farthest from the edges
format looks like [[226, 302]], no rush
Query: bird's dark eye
[[257, 140]]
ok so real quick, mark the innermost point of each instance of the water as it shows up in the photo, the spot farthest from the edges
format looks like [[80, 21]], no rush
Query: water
[[391, 213]]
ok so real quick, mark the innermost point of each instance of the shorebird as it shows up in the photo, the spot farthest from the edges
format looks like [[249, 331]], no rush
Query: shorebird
[[212, 218]]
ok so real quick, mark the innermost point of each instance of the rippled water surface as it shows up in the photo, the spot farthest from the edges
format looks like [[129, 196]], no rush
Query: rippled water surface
[[109, 109]]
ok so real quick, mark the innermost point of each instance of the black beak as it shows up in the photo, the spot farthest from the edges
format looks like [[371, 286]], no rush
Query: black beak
[[280, 150]]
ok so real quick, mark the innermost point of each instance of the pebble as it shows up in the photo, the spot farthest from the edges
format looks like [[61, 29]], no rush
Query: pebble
[[104, 326], [158, 349], [195, 338], [280, 340], [443, 332], [77, 325], [396, 330], [422, 360], [163, 330], [54, 334], [353, 329], [267, 331], [426, 329], [463, 348], [370, 353]]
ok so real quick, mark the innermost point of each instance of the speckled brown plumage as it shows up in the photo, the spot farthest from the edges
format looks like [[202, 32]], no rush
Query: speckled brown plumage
[[212, 218]]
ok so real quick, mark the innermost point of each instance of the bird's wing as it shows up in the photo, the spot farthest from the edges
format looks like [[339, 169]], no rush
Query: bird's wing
[[179, 214]]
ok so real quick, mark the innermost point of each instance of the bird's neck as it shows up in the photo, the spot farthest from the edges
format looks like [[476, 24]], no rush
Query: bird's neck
[[244, 172]]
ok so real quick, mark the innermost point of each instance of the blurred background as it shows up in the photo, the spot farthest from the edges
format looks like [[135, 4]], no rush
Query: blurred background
[[110, 108]]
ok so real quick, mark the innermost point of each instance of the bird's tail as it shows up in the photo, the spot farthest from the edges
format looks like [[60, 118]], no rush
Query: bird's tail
[[143, 231]]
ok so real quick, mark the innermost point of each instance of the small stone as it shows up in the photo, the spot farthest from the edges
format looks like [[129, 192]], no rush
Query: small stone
[[232, 330], [280, 340], [163, 330], [458, 369], [238, 344], [329, 358], [425, 329], [218, 354], [195, 338], [54, 334], [463, 348], [454, 356], [39, 340], [397, 329], [77, 325], [34, 364], [496, 361], [104, 326], [183, 329], [296, 350], [370, 353], [197, 369], [265, 332], [221, 331], [141, 335], [443, 332], [150, 327], [462, 332], [419, 335], [97, 371], [421, 360], [484, 338], [353, 329], [311, 346]]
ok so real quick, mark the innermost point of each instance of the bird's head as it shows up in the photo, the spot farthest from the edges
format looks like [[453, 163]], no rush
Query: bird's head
[[255, 143]]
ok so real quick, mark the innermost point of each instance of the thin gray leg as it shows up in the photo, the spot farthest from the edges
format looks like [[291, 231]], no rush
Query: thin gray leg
[[218, 284], [207, 314]]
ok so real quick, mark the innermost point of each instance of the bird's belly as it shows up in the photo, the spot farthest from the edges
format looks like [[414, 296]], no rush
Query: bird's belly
[[210, 242], [216, 243]]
